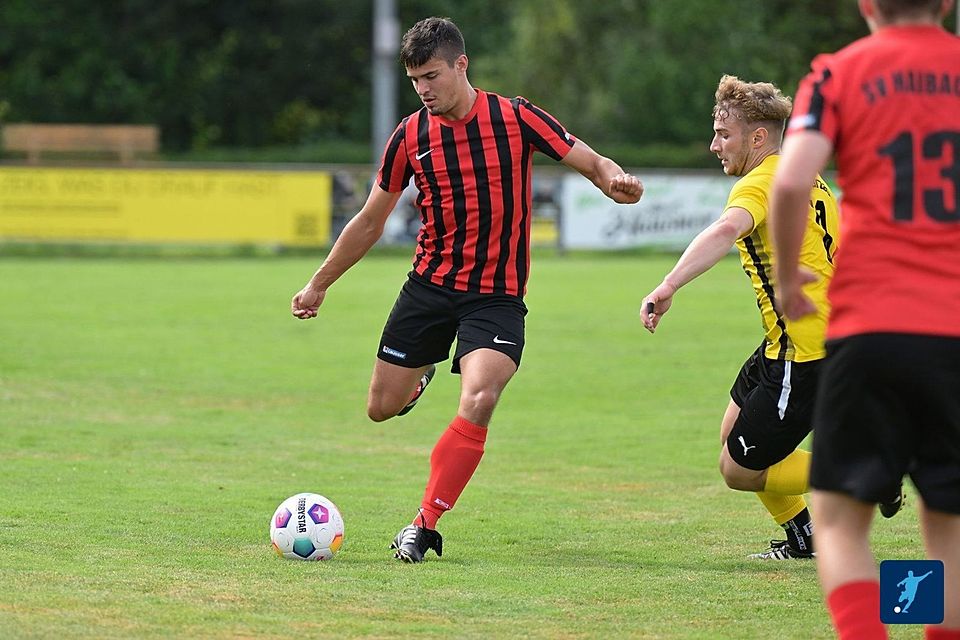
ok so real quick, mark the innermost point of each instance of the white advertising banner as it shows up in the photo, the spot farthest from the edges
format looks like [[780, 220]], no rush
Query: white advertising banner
[[674, 208]]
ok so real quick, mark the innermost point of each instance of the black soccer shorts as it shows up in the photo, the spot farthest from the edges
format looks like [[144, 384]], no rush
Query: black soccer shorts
[[889, 406], [776, 399], [426, 318]]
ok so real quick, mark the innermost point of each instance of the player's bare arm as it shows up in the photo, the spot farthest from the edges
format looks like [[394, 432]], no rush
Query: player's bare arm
[[804, 154], [606, 174], [704, 251], [361, 233]]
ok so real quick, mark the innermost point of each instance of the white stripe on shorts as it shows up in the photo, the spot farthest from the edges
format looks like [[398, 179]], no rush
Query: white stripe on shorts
[[785, 390]]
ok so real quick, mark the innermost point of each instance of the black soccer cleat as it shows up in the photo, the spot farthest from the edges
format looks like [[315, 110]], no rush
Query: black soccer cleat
[[781, 550], [892, 508], [421, 386], [413, 542]]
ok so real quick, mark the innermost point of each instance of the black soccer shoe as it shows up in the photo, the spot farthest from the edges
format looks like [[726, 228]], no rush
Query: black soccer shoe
[[892, 508], [781, 550], [421, 386], [413, 542]]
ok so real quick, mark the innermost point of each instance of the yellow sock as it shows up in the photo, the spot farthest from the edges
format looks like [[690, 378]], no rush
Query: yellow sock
[[782, 508], [790, 476]]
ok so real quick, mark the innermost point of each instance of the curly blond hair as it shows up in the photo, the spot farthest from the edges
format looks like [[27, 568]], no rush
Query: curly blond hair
[[751, 102]]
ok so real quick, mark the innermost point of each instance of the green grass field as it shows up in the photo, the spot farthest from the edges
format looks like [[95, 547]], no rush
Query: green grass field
[[154, 412]]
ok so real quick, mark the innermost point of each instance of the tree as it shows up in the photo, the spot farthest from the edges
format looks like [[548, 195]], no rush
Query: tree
[[288, 72]]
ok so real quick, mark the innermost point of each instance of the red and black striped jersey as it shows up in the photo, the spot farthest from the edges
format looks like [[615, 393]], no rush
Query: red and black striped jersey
[[474, 182], [890, 103]]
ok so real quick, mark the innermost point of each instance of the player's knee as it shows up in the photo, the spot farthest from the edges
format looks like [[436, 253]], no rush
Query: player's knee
[[377, 415], [736, 483], [733, 475], [483, 401], [378, 410], [728, 477]]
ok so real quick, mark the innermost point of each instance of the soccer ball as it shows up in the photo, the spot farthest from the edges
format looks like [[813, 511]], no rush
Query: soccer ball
[[306, 526]]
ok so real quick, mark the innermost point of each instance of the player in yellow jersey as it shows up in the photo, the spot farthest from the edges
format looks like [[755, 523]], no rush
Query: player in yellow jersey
[[771, 404]]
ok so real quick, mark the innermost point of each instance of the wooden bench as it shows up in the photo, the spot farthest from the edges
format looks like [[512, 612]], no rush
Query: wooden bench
[[124, 140]]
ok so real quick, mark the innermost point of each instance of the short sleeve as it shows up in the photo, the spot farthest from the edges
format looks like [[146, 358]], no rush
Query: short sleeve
[[542, 130], [395, 168], [814, 108], [750, 195]]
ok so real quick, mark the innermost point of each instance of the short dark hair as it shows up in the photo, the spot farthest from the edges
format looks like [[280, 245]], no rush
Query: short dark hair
[[899, 8], [431, 37]]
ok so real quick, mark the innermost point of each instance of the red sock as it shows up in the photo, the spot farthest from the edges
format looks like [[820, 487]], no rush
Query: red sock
[[855, 609], [941, 633], [454, 459]]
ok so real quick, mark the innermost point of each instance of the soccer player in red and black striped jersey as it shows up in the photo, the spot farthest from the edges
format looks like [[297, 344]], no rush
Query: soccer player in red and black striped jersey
[[888, 405], [470, 155]]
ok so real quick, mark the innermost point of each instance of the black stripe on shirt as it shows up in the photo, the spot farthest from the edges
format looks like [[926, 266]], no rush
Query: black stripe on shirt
[[390, 156], [768, 289], [436, 209], [456, 184], [522, 242], [482, 181], [502, 136], [817, 102]]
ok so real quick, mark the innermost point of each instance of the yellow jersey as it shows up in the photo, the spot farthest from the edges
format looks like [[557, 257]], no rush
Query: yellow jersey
[[796, 340]]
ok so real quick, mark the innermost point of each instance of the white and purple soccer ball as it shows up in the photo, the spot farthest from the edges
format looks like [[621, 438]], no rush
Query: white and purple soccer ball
[[306, 526]]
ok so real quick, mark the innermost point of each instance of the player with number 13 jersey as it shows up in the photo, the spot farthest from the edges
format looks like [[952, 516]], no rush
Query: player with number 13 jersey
[[900, 181], [888, 107]]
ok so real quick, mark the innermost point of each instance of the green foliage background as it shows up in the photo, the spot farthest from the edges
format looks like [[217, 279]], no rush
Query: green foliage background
[[295, 74]]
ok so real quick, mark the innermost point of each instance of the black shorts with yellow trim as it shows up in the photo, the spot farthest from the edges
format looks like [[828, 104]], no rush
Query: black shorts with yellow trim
[[776, 400], [889, 406], [427, 318]]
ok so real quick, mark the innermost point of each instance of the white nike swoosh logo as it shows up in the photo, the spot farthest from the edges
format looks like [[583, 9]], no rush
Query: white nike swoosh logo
[[424, 154], [497, 340]]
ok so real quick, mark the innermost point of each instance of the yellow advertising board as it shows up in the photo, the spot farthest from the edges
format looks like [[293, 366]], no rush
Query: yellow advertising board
[[165, 205]]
